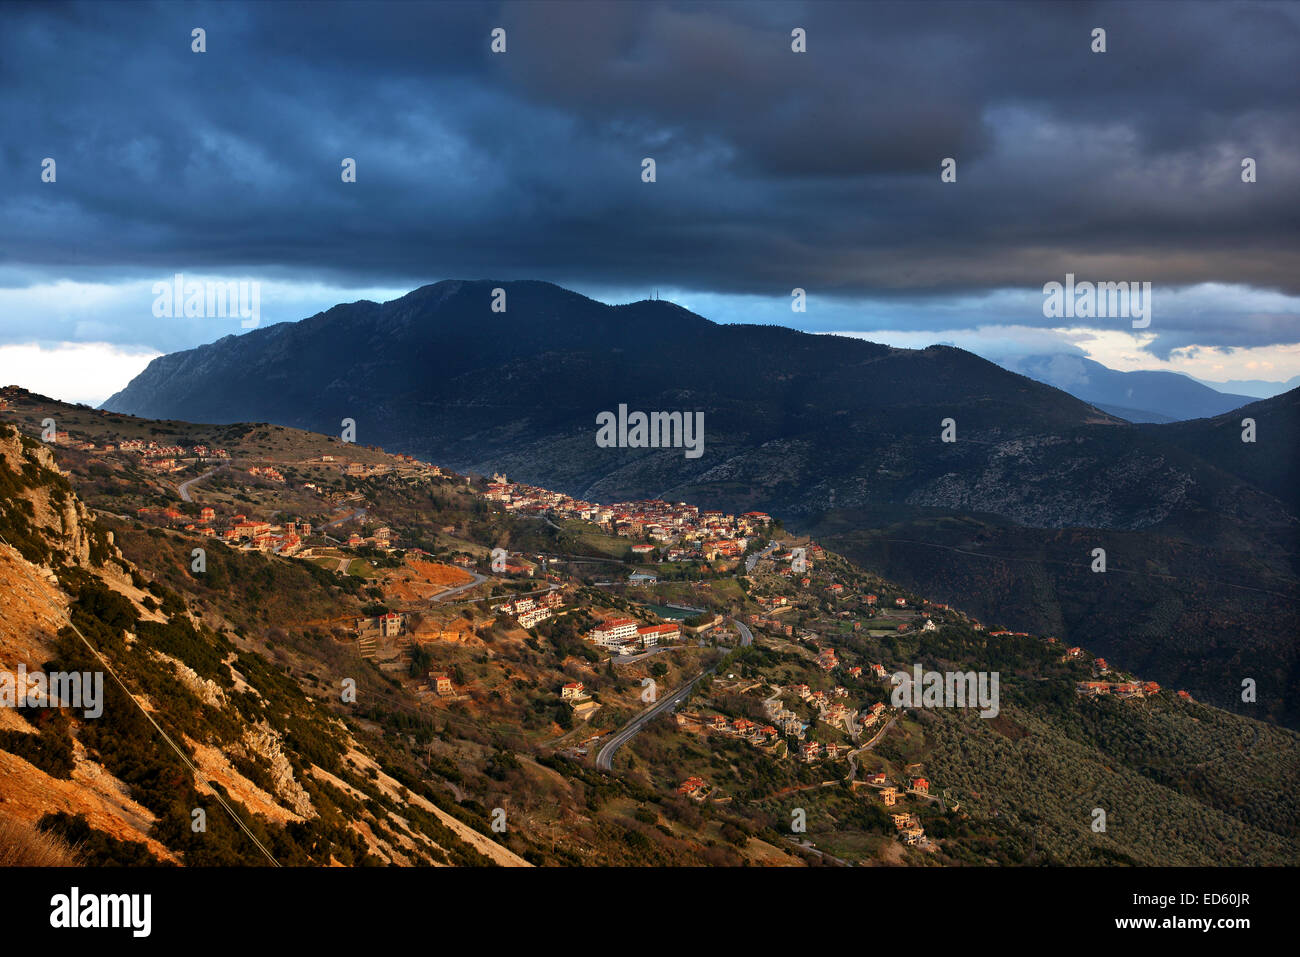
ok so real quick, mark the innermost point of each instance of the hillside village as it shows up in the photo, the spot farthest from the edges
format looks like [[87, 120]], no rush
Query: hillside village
[[485, 603]]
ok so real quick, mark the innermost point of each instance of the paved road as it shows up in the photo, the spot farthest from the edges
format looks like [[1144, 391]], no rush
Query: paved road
[[807, 845], [746, 636], [184, 487], [443, 596], [605, 756], [853, 755]]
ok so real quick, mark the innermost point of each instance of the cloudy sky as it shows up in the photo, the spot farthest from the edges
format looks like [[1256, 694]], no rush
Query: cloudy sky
[[774, 169]]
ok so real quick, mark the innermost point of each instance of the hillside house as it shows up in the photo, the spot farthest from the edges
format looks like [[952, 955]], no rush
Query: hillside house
[[691, 786]]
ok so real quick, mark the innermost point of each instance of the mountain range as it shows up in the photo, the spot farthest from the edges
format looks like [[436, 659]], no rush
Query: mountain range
[[1142, 396], [1256, 388], [837, 435]]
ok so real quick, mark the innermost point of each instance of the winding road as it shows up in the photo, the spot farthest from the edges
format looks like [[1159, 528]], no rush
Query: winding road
[[605, 756], [184, 487], [853, 755], [444, 595], [746, 636]]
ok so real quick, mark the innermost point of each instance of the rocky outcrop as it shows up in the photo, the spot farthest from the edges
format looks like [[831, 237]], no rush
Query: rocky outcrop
[[47, 506], [265, 742]]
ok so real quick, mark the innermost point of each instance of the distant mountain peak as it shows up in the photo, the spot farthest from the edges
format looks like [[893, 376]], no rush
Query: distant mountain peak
[[1139, 396]]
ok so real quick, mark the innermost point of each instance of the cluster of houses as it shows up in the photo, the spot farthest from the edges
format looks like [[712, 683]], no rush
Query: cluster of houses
[[811, 751], [1120, 689], [381, 538], [763, 736], [256, 535], [744, 729], [871, 716], [785, 719], [240, 531], [909, 828], [833, 709], [679, 531], [908, 825], [266, 472], [529, 611], [161, 458], [627, 636], [152, 450]]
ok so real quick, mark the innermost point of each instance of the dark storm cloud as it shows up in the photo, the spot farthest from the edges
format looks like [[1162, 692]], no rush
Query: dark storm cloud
[[774, 169]]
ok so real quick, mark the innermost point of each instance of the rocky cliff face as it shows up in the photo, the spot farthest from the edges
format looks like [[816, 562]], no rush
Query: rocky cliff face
[[41, 515]]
